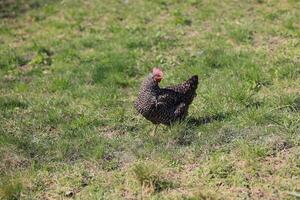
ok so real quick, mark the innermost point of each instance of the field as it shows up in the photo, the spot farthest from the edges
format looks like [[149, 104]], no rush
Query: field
[[70, 71]]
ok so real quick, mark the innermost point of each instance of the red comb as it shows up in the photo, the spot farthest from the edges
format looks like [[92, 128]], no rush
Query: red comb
[[157, 71]]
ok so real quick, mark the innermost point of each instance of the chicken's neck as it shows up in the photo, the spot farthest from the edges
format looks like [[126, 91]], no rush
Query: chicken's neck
[[151, 84]]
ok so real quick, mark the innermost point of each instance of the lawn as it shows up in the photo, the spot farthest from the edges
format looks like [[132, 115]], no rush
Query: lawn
[[70, 71]]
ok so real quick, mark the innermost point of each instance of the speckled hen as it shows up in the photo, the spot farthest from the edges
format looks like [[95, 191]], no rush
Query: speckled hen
[[165, 105]]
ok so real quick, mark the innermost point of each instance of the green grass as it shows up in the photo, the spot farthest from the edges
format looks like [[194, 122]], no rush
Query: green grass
[[70, 72]]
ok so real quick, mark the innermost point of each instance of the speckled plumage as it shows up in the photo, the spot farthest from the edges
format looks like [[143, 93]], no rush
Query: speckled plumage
[[165, 105]]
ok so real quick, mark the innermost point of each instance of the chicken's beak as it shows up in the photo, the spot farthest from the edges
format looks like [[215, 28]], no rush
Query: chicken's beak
[[158, 78]]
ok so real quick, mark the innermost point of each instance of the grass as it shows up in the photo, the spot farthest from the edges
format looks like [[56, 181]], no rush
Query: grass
[[70, 72]]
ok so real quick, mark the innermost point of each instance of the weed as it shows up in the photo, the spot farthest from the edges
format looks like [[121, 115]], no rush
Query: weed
[[149, 175], [10, 188]]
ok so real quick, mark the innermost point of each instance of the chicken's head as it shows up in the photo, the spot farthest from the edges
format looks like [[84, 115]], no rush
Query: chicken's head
[[157, 74]]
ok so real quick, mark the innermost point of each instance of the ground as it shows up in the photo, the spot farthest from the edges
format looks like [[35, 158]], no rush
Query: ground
[[70, 71]]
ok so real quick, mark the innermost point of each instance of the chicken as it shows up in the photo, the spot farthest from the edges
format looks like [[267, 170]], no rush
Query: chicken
[[165, 105]]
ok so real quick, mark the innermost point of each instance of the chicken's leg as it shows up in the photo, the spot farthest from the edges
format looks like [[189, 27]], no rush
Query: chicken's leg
[[154, 131]]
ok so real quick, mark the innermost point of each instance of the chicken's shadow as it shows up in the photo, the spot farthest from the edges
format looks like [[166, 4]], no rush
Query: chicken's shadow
[[187, 135], [221, 116], [13, 8], [208, 119]]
